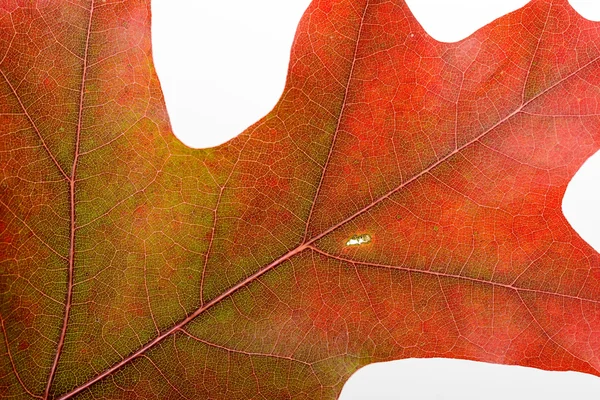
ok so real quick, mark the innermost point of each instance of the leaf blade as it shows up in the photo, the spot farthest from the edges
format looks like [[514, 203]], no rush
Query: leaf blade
[[239, 254]]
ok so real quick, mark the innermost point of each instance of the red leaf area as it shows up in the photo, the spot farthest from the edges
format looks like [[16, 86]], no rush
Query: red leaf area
[[403, 199]]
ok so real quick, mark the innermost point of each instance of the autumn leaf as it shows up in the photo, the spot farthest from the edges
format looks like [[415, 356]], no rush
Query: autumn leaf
[[403, 199]]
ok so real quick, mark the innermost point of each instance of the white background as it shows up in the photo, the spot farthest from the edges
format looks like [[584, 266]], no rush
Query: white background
[[222, 66]]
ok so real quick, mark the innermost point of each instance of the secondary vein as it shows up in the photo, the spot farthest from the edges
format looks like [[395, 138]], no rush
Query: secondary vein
[[71, 267]]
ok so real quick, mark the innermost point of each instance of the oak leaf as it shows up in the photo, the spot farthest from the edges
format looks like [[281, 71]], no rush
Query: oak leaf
[[403, 199]]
